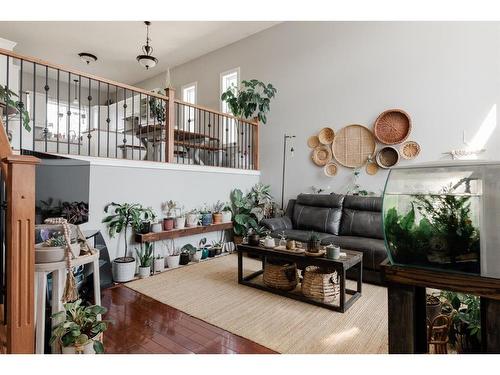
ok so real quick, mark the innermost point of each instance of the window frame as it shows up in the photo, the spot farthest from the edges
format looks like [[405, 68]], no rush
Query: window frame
[[221, 85], [189, 85]]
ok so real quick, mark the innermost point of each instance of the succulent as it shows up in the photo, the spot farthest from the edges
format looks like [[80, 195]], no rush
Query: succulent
[[56, 241]]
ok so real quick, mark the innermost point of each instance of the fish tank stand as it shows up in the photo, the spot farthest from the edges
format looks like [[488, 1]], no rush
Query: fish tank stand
[[406, 290]]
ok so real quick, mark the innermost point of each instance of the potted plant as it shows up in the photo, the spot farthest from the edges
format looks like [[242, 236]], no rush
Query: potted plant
[[217, 212], [53, 248], [251, 100], [173, 258], [313, 242], [75, 212], [156, 227], [10, 104], [192, 218], [145, 225], [180, 219], [122, 216], [211, 252], [80, 329], [186, 254], [217, 247], [206, 216], [227, 214], [243, 217], [159, 263], [145, 258], [433, 306], [169, 210]]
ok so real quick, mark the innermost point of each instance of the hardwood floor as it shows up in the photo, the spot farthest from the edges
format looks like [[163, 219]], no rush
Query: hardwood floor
[[143, 325]]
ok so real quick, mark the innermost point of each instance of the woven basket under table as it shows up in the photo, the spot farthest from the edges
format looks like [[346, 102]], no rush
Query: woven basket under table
[[284, 277], [320, 285]]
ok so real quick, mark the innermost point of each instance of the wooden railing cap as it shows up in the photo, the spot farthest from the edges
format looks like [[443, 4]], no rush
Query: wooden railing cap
[[21, 159]]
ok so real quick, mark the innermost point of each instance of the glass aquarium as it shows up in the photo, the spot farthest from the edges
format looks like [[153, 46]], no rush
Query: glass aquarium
[[444, 216]]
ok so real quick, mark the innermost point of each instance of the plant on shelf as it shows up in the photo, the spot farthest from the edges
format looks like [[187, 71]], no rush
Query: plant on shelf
[[159, 263], [157, 108], [465, 331], [145, 258], [313, 242], [251, 100], [192, 218], [173, 256], [217, 212], [186, 253], [9, 100], [121, 217], [79, 328], [168, 209], [180, 218], [227, 213], [206, 215], [75, 212]]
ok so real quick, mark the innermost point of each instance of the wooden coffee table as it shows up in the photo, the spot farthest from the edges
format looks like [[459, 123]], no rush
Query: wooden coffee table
[[353, 259]]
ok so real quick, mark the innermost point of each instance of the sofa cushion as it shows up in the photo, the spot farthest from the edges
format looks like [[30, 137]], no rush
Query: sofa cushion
[[373, 249], [302, 235], [277, 223], [362, 216], [318, 212]]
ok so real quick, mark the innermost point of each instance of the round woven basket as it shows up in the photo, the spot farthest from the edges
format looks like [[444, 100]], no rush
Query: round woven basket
[[387, 157], [392, 126], [326, 136], [353, 145], [371, 168], [409, 150], [313, 141], [320, 285], [283, 277], [330, 169], [322, 155]]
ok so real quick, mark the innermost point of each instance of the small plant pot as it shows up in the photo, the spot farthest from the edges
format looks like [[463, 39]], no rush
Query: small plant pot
[[197, 256], [204, 253], [218, 250], [159, 264], [238, 240], [206, 219], [173, 261], [144, 272], [217, 218], [184, 259], [87, 348], [156, 227], [313, 246], [123, 269], [254, 240], [168, 223], [180, 222], [145, 227], [211, 252], [227, 216], [192, 220]]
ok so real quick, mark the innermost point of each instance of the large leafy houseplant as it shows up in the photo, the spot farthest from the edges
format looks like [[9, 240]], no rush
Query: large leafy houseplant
[[157, 108], [8, 97], [79, 325], [124, 215], [251, 100]]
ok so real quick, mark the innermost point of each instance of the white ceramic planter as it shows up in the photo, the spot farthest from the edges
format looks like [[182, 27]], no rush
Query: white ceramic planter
[[144, 272], [123, 272], [197, 256], [180, 222], [173, 261], [227, 216], [156, 227], [192, 220], [45, 254], [159, 264]]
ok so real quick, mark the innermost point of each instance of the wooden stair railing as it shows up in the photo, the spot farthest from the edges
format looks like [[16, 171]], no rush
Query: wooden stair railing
[[19, 177]]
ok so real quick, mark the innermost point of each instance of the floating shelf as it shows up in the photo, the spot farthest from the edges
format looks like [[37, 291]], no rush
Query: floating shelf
[[184, 232]]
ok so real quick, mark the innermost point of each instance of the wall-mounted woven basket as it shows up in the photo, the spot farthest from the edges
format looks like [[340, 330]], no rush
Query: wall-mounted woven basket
[[313, 141], [392, 126], [387, 157], [322, 155], [326, 136], [353, 145], [320, 285], [409, 150], [330, 169]]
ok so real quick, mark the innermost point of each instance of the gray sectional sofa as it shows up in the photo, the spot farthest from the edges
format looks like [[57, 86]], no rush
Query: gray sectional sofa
[[352, 222]]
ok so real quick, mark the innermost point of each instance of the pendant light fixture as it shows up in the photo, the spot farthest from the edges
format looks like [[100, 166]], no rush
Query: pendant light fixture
[[147, 60], [87, 58]]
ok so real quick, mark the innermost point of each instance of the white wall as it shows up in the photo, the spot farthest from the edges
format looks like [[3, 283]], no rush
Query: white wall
[[445, 74], [148, 183]]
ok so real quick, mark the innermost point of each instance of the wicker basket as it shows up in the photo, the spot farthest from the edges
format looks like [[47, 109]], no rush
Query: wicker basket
[[284, 277], [320, 285], [392, 126]]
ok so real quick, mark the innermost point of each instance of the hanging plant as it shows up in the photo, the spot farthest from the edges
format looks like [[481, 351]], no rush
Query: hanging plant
[[251, 100]]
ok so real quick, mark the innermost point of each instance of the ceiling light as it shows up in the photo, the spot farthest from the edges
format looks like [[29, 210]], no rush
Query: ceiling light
[[147, 60], [87, 57]]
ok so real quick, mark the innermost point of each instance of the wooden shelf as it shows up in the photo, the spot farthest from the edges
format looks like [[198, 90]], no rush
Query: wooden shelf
[[184, 232]]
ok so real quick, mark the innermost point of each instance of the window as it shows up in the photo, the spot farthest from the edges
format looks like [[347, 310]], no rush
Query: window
[[78, 118], [189, 96], [230, 78]]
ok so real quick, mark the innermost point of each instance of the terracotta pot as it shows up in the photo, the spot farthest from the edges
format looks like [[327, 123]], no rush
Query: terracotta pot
[[217, 218], [168, 223]]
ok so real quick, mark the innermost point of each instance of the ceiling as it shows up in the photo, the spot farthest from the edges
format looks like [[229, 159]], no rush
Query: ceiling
[[116, 43]]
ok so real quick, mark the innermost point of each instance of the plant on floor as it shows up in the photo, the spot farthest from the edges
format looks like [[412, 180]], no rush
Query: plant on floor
[[8, 98], [251, 100], [243, 218], [80, 327]]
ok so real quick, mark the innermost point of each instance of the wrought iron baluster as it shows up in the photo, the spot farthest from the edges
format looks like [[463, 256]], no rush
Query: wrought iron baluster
[[133, 125], [124, 140], [98, 118], [108, 120], [79, 112], [89, 117], [7, 104], [139, 130], [68, 113], [116, 122], [34, 107], [20, 107], [57, 111], [46, 88]]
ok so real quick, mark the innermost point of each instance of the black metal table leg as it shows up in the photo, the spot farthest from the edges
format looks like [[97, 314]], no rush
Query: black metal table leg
[[240, 267]]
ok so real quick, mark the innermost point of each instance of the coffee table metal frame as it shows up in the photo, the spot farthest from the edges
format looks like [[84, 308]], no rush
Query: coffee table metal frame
[[353, 260]]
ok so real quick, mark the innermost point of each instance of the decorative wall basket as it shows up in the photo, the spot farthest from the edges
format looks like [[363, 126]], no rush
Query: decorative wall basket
[[326, 136], [322, 155], [330, 169], [409, 150], [353, 145], [392, 126], [313, 141], [371, 168], [387, 157]]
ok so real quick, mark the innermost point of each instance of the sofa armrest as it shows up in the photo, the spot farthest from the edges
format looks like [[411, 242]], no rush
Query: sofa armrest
[[277, 223]]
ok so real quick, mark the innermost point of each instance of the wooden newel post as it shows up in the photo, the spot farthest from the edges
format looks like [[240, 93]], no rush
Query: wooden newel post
[[170, 125], [255, 145], [20, 253]]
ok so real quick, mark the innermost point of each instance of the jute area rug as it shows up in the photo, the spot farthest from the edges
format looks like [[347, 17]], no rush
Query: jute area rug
[[210, 291]]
